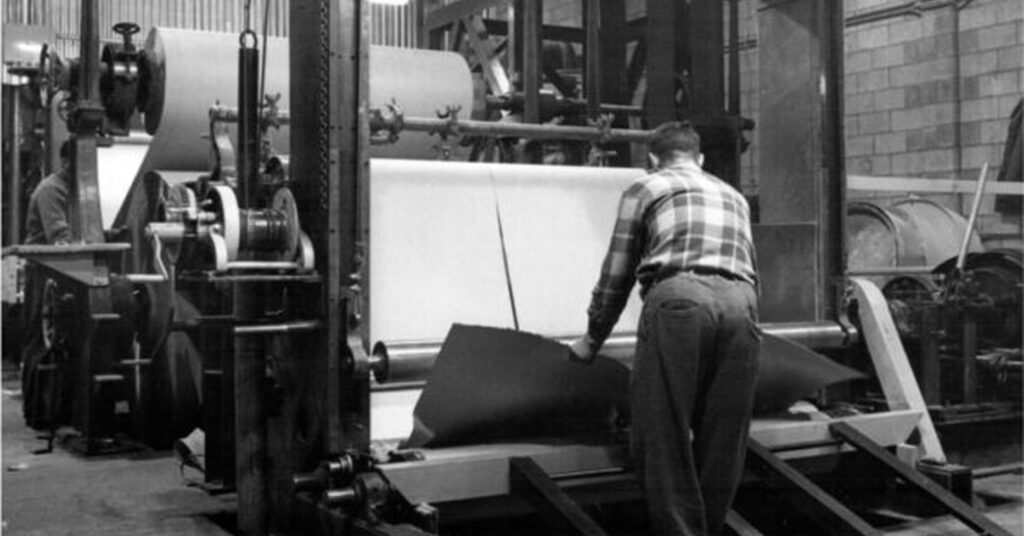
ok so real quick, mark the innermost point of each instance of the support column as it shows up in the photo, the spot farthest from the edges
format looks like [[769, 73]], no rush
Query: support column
[[802, 183]]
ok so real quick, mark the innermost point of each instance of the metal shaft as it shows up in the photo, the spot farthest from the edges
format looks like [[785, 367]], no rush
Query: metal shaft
[[961, 258], [249, 358], [515, 130], [411, 361]]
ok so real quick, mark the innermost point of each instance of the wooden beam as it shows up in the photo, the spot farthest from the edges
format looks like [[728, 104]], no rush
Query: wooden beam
[[740, 525], [961, 510], [887, 429], [528, 480], [483, 51], [456, 11], [939, 186], [891, 364], [805, 495]]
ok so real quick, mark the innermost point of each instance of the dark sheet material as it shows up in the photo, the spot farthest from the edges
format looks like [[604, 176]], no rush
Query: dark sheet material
[[791, 371], [490, 384]]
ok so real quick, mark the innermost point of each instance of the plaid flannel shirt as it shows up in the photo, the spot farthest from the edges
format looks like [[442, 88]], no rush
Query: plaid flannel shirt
[[673, 220]]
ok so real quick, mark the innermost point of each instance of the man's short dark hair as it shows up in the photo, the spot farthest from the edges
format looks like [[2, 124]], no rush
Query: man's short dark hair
[[65, 149], [674, 137]]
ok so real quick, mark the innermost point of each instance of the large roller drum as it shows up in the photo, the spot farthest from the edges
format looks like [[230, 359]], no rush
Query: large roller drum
[[878, 237], [187, 71], [910, 232], [941, 229]]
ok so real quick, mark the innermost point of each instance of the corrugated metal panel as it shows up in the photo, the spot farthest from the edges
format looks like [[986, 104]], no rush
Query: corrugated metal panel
[[392, 25]]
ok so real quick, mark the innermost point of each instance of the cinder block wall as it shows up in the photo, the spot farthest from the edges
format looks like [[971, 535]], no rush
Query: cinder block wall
[[926, 100]]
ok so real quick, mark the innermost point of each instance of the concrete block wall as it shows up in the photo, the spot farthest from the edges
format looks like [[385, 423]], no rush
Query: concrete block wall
[[926, 100]]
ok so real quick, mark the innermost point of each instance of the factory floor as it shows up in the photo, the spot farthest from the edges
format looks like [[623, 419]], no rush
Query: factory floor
[[144, 494], [60, 493]]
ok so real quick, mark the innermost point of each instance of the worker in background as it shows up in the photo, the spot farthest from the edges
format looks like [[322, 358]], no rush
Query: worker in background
[[47, 222], [47, 219], [685, 235]]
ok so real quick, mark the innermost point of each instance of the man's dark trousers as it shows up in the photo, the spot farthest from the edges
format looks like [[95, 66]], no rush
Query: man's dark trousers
[[695, 371]]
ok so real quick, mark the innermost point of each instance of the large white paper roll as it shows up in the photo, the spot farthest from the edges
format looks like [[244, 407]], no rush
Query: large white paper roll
[[193, 70], [435, 253]]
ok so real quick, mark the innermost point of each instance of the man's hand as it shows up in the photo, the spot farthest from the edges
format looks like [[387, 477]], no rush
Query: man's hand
[[580, 350]]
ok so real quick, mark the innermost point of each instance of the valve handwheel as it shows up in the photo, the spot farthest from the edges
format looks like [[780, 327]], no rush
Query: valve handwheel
[[126, 30]]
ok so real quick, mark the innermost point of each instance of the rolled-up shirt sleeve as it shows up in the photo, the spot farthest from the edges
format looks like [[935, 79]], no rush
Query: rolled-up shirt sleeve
[[618, 271]]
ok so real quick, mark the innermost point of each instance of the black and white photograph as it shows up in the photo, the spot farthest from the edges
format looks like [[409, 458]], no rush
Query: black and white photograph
[[512, 267]]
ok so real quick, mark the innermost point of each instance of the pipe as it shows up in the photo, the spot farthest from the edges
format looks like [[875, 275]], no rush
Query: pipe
[[286, 327], [229, 114], [890, 270], [263, 265], [965, 244], [411, 361], [507, 130], [996, 470]]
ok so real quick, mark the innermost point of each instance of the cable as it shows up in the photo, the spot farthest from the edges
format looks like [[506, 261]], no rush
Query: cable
[[263, 67]]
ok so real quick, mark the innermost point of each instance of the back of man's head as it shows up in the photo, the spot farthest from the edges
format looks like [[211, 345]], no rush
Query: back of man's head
[[674, 140]]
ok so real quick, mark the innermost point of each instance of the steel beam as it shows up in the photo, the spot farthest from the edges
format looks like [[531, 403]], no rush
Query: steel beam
[[531, 14]]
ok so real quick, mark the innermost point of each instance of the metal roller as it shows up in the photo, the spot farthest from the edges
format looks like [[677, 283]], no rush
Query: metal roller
[[412, 361]]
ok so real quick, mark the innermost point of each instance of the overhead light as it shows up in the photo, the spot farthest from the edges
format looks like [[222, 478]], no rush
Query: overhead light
[[30, 48], [391, 2]]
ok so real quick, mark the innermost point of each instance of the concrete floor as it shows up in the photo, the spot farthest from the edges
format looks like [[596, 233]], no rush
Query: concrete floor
[[1004, 492], [61, 493], [144, 493]]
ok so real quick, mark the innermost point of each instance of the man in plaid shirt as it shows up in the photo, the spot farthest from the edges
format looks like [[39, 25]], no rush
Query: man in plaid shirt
[[685, 235]]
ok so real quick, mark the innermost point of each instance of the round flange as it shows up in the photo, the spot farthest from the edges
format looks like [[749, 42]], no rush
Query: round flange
[[284, 202], [226, 208]]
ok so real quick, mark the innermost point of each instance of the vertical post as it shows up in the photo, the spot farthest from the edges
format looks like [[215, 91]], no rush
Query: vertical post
[[801, 153], [89, 54], [612, 38], [930, 370], [249, 356], [12, 226], [86, 224], [532, 16], [734, 108], [706, 40], [968, 353], [328, 48], [734, 59], [664, 39], [592, 54], [707, 87]]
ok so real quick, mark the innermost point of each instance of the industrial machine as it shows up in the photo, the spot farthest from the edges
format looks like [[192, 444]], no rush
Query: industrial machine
[[280, 269]]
